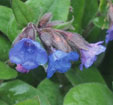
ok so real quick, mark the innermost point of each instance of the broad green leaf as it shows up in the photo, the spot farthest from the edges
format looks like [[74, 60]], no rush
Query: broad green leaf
[[78, 11], [51, 91], [101, 22], [76, 76], [5, 15], [13, 30], [16, 91], [8, 23], [90, 10], [22, 12], [89, 94], [6, 72], [59, 8], [3, 103], [4, 48], [32, 101]]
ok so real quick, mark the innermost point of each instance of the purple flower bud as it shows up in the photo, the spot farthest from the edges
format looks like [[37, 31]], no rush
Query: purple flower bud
[[45, 19], [88, 57], [51, 38], [28, 53], [27, 32], [109, 35], [60, 61], [21, 69]]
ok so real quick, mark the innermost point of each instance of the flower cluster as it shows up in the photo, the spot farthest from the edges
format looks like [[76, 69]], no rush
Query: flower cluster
[[58, 48]]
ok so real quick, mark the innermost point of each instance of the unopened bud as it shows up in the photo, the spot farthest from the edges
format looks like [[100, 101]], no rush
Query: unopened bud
[[45, 19], [27, 32]]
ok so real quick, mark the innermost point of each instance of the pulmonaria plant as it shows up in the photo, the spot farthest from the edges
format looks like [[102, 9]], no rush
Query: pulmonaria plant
[[61, 48]]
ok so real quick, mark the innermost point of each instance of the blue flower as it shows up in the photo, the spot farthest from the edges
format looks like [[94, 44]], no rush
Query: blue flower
[[28, 53], [109, 35], [60, 61], [88, 57]]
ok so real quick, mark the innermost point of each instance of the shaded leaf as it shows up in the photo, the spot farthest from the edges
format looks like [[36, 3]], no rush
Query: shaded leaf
[[6, 72], [5, 15], [90, 10], [37, 75], [78, 10], [89, 94], [87, 75], [4, 48]]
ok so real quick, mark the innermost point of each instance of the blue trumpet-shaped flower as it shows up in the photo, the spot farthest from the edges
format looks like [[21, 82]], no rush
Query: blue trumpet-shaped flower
[[88, 57], [109, 35], [60, 61], [27, 54]]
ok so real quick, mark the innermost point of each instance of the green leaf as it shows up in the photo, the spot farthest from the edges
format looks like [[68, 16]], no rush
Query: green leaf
[[3, 103], [64, 25], [83, 11], [13, 30], [5, 15], [87, 75], [6, 72], [96, 34], [59, 8], [8, 23], [89, 94], [16, 91], [78, 10], [51, 91], [102, 5], [32, 101], [101, 22], [90, 10], [22, 12], [4, 48]]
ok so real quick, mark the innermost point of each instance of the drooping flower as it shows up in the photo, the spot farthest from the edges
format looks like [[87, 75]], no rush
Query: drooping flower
[[27, 54], [88, 57], [60, 61], [109, 35]]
